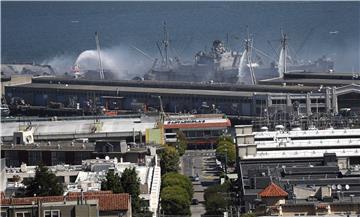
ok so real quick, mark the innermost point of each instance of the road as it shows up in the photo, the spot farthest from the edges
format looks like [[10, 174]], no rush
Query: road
[[200, 163]]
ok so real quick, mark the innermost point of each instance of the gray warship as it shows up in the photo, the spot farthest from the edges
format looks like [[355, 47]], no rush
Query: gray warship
[[220, 65], [223, 65]]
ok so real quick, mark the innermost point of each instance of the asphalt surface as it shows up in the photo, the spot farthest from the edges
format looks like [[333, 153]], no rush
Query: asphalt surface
[[200, 163]]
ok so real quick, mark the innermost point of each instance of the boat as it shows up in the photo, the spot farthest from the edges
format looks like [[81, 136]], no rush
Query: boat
[[223, 65], [218, 65]]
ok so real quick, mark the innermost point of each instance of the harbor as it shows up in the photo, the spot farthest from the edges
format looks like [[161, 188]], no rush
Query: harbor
[[164, 109]]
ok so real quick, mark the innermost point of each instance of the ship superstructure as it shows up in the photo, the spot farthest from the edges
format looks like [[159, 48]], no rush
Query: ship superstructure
[[223, 65]]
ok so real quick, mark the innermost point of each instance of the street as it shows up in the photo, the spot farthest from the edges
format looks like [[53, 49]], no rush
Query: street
[[200, 163]]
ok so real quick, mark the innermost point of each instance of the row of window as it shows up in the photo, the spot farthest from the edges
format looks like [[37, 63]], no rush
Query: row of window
[[47, 213], [301, 101], [55, 94]]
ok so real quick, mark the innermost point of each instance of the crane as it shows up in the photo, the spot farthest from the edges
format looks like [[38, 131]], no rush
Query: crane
[[101, 70], [162, 114]]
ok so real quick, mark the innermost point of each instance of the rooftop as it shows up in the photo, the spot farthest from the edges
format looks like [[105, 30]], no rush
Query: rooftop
[[273, 190], [197, 123], [149, 90], [52, 146], [310, 153], [314, 79], [107, 201], [308, 143], [67, 127], [306, 133], [174, 85]]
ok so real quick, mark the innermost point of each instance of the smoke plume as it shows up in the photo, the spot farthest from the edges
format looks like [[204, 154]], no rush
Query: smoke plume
[[123, 62]]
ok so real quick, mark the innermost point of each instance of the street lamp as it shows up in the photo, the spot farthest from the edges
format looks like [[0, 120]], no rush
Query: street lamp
[[32, 209]]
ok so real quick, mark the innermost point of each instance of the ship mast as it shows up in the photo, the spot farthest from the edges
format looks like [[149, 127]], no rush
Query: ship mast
[[248, 46], [166, 44], [101, 70]]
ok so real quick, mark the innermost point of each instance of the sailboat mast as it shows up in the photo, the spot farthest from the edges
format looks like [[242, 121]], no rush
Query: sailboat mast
[[101, 70]]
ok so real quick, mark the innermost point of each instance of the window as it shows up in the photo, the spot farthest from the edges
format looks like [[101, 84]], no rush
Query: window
[[23, 214], [17, 140], [52, 213], [3, 214]]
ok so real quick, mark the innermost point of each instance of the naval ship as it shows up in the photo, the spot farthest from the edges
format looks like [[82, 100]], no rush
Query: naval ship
[[223, 65], [220, 65]]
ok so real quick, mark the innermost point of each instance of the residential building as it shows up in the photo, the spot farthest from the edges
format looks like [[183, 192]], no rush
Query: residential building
[[86, 204]]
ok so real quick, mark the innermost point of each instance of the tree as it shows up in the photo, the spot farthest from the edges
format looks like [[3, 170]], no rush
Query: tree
[[176, 179], [181, 142], [144, 209], [131, 183], [112, 182], [45, 183], [215, 204], [248, 214], [224, 138], [169, 160], [175, 201], [215, 200], [226, 149]]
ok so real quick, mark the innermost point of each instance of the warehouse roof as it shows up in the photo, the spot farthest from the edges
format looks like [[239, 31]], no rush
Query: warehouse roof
[[174, 85], [85, 88]]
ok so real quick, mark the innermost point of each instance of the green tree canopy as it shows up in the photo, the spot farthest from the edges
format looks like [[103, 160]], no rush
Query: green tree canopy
[[226, 148], [131, 183], [112, 182], [224, 138], [215, 200], [177, 179], [169, 160], [181, 142], [249, 214], [215, 204], [45, 183], [175, 201]]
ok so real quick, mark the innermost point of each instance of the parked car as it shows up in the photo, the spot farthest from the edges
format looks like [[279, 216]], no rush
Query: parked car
[[194, 201]]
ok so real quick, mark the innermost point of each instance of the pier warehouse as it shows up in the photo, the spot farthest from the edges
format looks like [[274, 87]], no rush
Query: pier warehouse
[[244, 100]]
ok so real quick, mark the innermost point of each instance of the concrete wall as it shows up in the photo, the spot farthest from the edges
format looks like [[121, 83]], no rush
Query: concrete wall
[[15, 80], [3, 179]]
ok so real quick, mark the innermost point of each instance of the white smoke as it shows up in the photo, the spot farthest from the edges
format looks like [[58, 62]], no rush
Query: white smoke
[[242, 67], [123, 62], [61, 63], [282, 65]]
